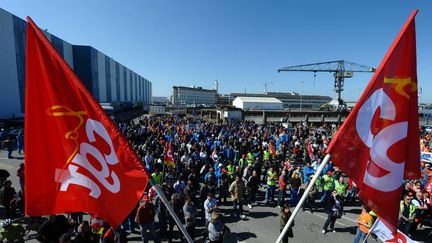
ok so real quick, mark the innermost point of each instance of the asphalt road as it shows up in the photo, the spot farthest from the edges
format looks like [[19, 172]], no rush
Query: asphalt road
[[262, 222], [262, 225], [11, 165]]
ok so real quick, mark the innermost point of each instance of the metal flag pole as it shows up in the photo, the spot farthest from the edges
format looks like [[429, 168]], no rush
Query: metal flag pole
[[171, 210], [303, 198], [365, 239], [370, 231]]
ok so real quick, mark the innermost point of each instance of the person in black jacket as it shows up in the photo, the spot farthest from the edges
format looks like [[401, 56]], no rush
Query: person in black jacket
[[253, 185], [85, 235], [334, 211], [51, 230], [177, 204], [285, 214], [7, 193]]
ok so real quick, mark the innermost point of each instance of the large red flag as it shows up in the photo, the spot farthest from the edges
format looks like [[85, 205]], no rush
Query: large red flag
[[378, 145], [168, 158], [76, 160]]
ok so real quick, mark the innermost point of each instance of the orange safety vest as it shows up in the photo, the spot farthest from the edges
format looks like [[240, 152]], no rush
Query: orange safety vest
[[364, 218]]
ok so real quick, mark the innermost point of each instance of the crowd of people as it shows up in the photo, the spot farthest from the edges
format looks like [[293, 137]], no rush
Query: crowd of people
[[242, 165], [214, 162], [12, 141]]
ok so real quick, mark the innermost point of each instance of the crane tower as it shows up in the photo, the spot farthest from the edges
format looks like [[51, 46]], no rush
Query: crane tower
[[341, 69]]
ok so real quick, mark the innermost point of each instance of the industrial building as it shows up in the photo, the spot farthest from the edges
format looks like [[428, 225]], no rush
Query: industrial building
[[224, 99], [293, 101], [108, 80], [257, 103], [160, 100], [193, 96], [105, 78]]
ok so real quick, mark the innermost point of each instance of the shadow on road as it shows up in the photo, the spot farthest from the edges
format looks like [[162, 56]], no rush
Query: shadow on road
[[261, 214], [232, 219], [354, 210], [242, 236], [352, 230]]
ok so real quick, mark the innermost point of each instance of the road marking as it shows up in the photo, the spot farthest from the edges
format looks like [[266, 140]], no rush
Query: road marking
[[350, 219], [325, 218], [337, 222]]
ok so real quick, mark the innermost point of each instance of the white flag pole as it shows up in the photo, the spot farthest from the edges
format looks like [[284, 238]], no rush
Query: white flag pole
[[171, 211], [370, 231], [303, 198]]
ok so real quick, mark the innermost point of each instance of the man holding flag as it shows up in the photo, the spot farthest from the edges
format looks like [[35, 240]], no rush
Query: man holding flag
[[364, 223]]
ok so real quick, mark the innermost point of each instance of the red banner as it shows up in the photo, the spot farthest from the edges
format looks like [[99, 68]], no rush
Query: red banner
[[168, 159], [378, 145], [76, 159], [272, 149]]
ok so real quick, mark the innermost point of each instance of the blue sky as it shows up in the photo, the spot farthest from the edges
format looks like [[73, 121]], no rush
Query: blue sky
[[241, 43]]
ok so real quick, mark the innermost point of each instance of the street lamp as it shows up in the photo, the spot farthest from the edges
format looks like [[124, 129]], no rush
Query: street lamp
[[301, 101], [301, 96]]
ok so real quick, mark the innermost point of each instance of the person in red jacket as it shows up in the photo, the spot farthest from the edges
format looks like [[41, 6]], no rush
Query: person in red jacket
[[352, 192], [145, 218], [282, 188]]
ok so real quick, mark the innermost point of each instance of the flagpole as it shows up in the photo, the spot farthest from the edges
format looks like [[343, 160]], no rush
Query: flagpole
[[303, 198], [365, 239], [370, 231], [171, 210]]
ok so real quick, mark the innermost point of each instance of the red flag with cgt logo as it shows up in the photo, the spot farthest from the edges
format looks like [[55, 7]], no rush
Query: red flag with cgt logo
[[76, 159], [168, 158], [378, 144]]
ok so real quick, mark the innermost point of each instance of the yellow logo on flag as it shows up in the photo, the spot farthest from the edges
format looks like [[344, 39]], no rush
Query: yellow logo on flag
[[400, 84]]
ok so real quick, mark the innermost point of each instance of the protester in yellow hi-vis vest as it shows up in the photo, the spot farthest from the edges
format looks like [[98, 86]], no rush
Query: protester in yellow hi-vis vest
[[231, 169], [364, 223], [341, 187], [271, 179], [328, 185], [157, 176], [243, 162], [266, 155], [250, 158], [318, 183], [406, 215]]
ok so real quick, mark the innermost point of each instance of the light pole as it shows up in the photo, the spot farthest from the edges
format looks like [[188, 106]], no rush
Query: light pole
[[301, 102], [301, 96]]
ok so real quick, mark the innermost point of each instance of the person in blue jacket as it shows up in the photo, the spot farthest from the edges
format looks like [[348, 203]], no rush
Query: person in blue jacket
[[307, 172]]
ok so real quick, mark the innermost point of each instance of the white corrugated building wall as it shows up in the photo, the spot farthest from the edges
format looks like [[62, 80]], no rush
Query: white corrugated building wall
[[258, 103]]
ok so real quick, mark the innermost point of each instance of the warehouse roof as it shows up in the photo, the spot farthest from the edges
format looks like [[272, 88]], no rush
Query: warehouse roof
[[284, 96], [259, 99], [195, 88]]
